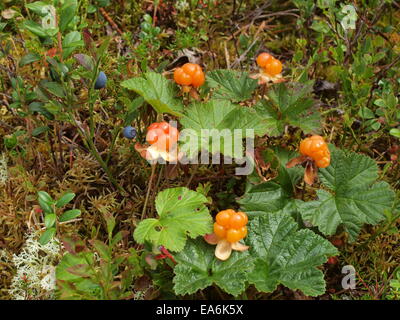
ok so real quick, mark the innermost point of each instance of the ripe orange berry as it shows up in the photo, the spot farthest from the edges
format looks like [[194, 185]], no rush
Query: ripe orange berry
[[243, 231], [182, 78], [316, 148], [233, 235], [198, 79], [223, 217], [273, 67], [189, 74], [244, 216], [231, 225], [323, 163], [162, 134], [190, 68], [263, 59], [219, 230], [237, 220]]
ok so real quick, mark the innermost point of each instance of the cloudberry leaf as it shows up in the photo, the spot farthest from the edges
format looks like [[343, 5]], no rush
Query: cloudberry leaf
[[285, 255], [231, 85], [157, 91], [289, 104], [181, 213], [198, 268], [354, 197], [214, 126], [265, 198]]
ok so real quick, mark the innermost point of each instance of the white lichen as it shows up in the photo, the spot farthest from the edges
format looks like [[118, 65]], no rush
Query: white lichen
[[3, 169], [35, 270], [182, 5]]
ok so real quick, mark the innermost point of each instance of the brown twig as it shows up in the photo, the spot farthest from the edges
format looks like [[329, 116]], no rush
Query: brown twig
[[110, 21]]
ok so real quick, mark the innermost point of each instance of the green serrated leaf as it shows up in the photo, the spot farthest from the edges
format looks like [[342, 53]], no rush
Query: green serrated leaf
[[198, 268], [355, 198], [285, 255], [157, 91], [265, 197], [289, 104], [182, 213], [218, 126], [232, 85]]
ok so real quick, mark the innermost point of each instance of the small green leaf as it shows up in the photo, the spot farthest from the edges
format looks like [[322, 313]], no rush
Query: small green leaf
[[47, 236], [85, 60], [50, 220], [29, 58], [70, 260], [104, 46], [70, 42], [45, 201], [67, 13], [380, 103], [38, 131], [54, 88], [35, 28], [45, 197], [366, 113], [102, 249], [395, 132], [110, 222], [69, 215], [65, 199], [38, 7]]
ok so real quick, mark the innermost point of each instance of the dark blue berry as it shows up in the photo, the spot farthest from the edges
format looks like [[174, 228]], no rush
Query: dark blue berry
[[129, 132], [101, 81]]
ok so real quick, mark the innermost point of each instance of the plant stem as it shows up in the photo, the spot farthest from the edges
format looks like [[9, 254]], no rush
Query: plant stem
[[153, 169], [92, 148]]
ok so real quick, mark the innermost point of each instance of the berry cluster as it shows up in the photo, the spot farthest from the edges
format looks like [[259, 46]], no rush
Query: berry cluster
[[269, 64], [231, 225], [316, 148], [190, 74], [163, 135]]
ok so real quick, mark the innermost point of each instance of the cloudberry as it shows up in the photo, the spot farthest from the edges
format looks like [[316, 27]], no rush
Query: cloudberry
[[189, 74], [316, 148]]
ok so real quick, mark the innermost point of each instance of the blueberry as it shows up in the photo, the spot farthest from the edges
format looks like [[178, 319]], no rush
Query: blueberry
[[101, 81], [129, 132]]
